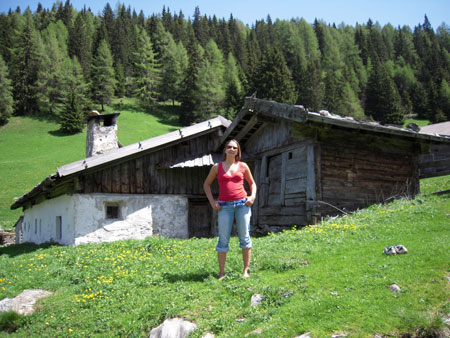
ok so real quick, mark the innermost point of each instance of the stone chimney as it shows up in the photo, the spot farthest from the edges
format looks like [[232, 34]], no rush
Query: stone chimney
[[101, 133]]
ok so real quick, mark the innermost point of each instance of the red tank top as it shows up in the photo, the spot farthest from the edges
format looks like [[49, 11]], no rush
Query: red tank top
[[231, 188]]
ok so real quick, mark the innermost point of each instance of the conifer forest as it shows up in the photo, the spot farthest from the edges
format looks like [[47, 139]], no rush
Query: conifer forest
[[62, 63]]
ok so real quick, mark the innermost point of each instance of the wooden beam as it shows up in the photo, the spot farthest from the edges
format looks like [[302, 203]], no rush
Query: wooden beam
[[283, 176], [310, 184], [250, 124]]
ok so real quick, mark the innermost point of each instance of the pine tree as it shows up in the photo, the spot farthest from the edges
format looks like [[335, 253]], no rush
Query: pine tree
[[120, 81], [309, 85], [6, 98], [383, 102], [72, 116], [80, 40], [103, 76], [189, 97], [234, 92], [444, 99], [174, 61], [27, 63], [52, 75], [76, 83], [147, 77], [273, 80], [211, 89]]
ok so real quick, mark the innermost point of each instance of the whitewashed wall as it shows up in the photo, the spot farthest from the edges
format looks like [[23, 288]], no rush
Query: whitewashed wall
[[84, 218]]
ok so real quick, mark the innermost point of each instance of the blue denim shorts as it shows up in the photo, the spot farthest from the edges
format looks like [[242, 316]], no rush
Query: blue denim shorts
[[234, 210]]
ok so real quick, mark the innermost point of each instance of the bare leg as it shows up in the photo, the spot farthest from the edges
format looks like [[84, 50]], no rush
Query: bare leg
[[221, 257], [246, 255]]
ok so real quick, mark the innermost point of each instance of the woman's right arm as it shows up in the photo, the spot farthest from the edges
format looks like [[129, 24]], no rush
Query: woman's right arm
[[207, 186]]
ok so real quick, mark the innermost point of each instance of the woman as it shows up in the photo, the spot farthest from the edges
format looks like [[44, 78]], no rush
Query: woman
[[233, 203]]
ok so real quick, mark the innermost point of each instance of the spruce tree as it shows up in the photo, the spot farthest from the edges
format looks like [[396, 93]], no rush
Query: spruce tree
[[147, 76], [6, 98], [189, 97], [234, 92], [309, 84], [72, 116], [53, 74], [444, 99], [383, 102], [80, 40], [210, 84], [174, 61], [273, 79], [26, 66], [103, 76]]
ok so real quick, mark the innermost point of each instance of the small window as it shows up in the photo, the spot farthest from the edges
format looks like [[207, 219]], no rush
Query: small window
[[58, 227], [35, 225], [112, 211], [290, 155]]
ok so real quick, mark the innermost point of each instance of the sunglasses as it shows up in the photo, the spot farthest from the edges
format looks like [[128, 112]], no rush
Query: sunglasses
[[231, 147]]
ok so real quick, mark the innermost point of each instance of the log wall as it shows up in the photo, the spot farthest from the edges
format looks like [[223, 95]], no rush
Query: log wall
[[357, 170]]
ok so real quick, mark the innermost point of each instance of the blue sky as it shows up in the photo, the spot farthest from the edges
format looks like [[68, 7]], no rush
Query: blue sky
[[395, 12]]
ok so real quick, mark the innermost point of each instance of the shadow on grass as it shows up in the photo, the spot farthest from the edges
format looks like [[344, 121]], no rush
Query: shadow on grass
[[166, 113], [188, 277], [60, 133], [20, 249]]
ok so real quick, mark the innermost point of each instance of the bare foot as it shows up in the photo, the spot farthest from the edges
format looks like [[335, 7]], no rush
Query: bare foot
[[221, 277], [245, 274]]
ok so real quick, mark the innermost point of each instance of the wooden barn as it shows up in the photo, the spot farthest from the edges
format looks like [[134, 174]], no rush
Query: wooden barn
[[306, 165], [437, 161], [310, 165]]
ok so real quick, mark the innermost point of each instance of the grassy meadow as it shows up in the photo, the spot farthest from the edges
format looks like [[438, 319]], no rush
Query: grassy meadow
[[327, 279], [32, 148]]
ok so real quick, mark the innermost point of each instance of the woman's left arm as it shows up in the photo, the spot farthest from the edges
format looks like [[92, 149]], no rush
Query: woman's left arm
[[249, 178]]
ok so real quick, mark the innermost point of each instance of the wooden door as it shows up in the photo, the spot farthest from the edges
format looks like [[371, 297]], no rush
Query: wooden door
[[200, 219]]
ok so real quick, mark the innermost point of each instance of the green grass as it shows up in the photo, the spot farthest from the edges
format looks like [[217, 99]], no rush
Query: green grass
[[326, 279], [32, 148], [420, 123]]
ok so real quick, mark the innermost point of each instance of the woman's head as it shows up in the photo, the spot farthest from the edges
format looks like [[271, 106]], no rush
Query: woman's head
[[232, 146]]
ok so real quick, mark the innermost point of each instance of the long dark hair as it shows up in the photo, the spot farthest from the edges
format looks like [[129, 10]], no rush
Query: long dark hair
[[238, 154]]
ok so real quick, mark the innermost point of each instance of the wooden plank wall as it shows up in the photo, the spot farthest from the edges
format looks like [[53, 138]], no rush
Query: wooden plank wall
[[356, 172], [141, 176], [436, 162], [269, 136]]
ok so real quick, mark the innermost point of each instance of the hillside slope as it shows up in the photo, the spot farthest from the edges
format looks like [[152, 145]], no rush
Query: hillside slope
[[327, 279]]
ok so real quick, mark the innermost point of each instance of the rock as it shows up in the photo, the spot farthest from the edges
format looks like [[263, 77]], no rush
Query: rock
[[173, 328], [395, 288], [413, 127], [305, 335], [341, 335], [256, 299], [389, 250], [400, 249], [208, 335], [443, 333], [23, 304], [446, 320]]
